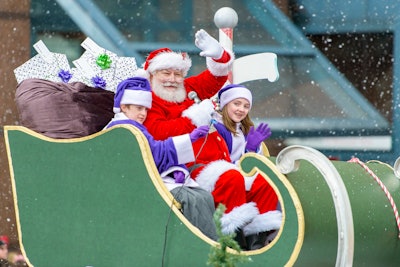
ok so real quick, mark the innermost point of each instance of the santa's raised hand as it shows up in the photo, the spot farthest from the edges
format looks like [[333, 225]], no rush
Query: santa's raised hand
[[208, 45]]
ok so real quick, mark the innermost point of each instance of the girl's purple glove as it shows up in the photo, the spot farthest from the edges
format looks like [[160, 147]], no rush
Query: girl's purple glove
[[255, 137], [199, 132], [179, 177]]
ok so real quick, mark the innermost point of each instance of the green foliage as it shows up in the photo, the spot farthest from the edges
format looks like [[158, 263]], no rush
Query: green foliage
[[219, 256]]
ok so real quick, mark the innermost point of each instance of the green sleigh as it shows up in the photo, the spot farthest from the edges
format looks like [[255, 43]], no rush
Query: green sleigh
[[99, 201]]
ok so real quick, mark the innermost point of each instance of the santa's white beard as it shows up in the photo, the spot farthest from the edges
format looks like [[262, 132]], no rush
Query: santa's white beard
[[176, 96]]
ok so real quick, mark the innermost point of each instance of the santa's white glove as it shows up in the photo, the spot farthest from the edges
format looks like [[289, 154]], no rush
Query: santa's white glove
[[208, 45], [200, 114]]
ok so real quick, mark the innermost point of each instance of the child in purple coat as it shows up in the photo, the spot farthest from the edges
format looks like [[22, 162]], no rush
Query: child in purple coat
[[132, 100]]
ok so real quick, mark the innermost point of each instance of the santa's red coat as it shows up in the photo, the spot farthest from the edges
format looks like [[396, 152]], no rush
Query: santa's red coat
[[164, 119], [214, 171], [217, 174]]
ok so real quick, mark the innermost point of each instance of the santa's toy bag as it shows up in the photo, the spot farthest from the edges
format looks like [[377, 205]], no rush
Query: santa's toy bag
[[60, 101]]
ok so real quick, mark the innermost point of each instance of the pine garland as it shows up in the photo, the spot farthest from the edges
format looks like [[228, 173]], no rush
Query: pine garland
[[219, 256]]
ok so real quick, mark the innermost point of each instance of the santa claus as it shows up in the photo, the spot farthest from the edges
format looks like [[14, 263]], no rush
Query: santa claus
[[173, 112]]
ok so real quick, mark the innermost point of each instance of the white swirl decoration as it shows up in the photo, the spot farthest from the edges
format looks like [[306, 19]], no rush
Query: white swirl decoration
[[396, 168], [287, 161]]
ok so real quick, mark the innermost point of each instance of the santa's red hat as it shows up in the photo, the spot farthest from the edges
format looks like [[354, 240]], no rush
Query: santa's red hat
[[165, 58]]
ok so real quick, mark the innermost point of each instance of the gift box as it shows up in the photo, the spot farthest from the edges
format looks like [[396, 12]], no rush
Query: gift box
[[102, 68], [97, 67], [45, 65]]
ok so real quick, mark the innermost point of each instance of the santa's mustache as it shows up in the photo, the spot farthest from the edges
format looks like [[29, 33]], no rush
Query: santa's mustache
[[169, 84]]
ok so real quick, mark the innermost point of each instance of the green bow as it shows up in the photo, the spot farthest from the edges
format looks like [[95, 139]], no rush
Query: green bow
[[103, 61]]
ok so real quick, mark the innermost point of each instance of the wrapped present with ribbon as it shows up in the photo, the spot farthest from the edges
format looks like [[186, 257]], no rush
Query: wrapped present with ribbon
[[45, 65], [85, 73], [123, 68], [97, 66]]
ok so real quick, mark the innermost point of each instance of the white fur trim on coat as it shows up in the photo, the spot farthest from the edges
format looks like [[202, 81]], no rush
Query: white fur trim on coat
[[220, 69], [211, 173], [238, 217], [172, 169], [169, 181], [271, 220], [184, 148], [249, 180]]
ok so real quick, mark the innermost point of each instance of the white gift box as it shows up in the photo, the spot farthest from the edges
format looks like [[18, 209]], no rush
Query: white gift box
[[45, 65], [97, 67], [102, 68]]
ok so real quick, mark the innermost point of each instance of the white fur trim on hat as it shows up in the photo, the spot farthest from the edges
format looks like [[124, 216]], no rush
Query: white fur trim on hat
[[234, 93], [137, 97], [211, 173], [271, 220], [170, 60], [238, 217], [142, 73]]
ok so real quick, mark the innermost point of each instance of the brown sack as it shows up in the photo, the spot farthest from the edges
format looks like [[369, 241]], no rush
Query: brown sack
[[62, 110]]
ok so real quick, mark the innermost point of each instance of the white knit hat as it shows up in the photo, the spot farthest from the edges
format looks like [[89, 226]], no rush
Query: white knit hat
[[231, 92], [134, 90]]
